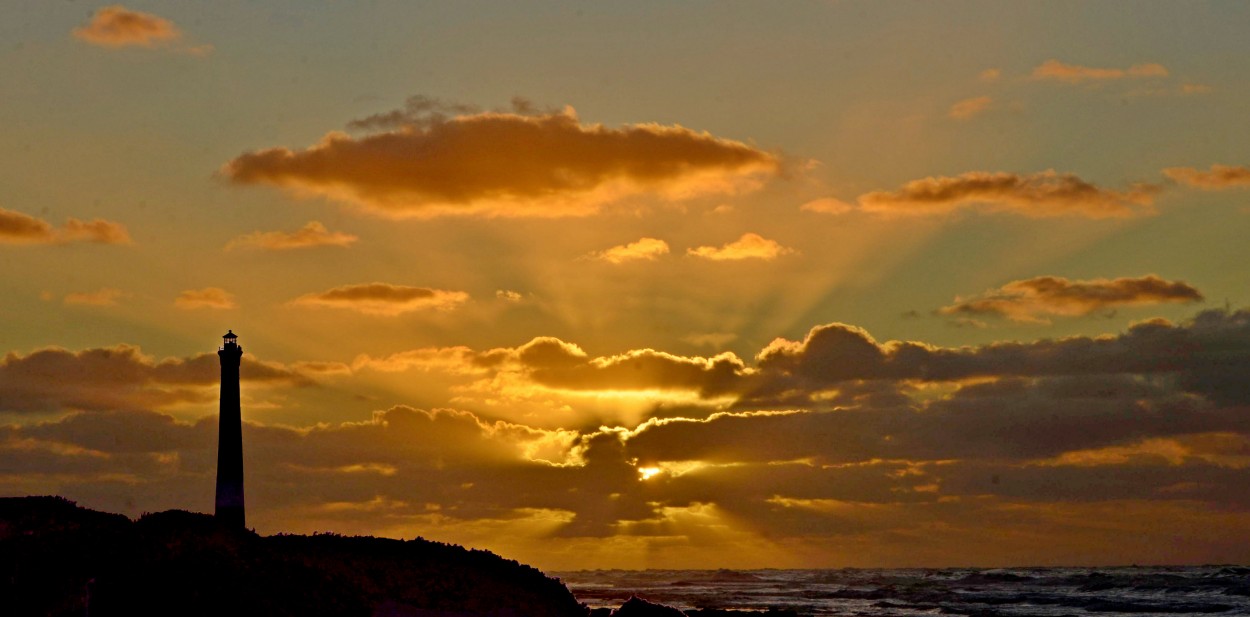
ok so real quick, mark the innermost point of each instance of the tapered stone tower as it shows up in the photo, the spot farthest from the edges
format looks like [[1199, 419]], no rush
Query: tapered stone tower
[[230, 437]]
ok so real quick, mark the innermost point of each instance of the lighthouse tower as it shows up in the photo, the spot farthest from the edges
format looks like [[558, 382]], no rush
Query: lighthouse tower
[[230, 437]]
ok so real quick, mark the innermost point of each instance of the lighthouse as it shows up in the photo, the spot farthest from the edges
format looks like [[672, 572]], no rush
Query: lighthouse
[[230, 437]]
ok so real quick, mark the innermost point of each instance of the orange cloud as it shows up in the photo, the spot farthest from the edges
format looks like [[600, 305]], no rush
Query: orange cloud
[[1160, 90], [1072, 73], [645, 249], [507, 164], [103, 297], [19, 228], [98, 230], [16, 228], [312, 234], [969, 108], [827, 205], [384, 299], [1030, 299], [1043, 194], [209, 297], [1217, 178], [990, 74], [117, 26], [749, 246]]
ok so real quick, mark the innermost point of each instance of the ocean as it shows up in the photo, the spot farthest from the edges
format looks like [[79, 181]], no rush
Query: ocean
[[1015, 592]]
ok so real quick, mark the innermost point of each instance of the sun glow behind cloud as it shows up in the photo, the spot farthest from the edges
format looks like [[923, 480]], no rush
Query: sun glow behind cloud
[[767, 305], [646, 473]]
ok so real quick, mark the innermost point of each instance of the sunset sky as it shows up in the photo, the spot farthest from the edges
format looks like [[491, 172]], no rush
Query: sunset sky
[[641, 284]]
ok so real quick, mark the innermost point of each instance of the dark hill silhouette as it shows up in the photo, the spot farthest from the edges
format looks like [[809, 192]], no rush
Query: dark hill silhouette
[[59, 559]]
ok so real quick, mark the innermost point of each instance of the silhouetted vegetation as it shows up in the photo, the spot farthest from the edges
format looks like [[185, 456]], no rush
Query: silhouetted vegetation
[[59, 559]]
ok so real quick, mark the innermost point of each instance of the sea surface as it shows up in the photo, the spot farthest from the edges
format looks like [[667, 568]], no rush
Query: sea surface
[[1017, 592]]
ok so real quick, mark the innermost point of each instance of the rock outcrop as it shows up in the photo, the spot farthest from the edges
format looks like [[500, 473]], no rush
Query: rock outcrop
[[59, 559]]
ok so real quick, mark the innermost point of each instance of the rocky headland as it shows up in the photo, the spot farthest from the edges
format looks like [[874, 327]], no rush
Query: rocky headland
[[60, 559]]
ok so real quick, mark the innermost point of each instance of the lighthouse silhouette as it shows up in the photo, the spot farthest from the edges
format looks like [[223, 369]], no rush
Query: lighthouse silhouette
[[230, 437]]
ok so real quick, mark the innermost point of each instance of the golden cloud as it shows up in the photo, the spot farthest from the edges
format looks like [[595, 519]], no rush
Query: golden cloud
[[209, 297], [117, 26], [644, 369], [1043, 194], [548, 373], [102, 297], [20, 228], [508, 164], [1031, 299], [1074, 74], [455, 360], [1217, 178], [749, 246], [310, 235], [645, 249], [383, 299], [827, 205], [969, 108]]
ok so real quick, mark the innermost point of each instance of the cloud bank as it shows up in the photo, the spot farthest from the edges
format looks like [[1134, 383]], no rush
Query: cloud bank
[[836, 441], [119, 378]]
